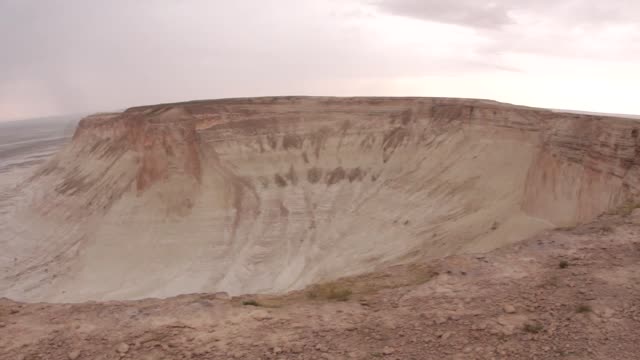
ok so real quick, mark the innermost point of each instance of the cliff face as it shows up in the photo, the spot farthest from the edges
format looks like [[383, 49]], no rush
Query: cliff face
[[270, 194]]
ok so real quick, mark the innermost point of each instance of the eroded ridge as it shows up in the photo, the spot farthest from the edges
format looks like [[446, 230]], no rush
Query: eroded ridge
[[272, 194]]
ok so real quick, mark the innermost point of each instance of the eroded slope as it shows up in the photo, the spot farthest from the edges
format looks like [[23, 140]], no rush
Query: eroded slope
[[271, 194]]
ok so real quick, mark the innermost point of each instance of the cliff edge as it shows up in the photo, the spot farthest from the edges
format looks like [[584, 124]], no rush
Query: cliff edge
[[266, 195]]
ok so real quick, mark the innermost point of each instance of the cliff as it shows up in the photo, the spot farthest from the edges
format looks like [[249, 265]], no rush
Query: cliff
[[271, 194]]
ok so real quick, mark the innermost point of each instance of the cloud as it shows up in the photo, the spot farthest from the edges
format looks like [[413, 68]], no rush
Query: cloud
[[569, 28], [496, 14], [70, 56], [472, 13], [84, 55]]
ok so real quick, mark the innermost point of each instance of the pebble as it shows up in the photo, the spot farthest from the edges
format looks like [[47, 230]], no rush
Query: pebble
[[296, 348], [387, 350], [74, 354], [440, 321], [238, 355], [122, 348], [509, 309]]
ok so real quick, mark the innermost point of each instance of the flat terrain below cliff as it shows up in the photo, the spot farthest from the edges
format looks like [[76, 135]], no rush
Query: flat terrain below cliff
[[564, 294]]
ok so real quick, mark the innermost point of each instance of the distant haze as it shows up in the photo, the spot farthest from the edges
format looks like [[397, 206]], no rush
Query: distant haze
[[75, 56]]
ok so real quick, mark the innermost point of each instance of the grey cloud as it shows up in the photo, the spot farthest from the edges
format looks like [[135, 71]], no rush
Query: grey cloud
[[572, 28], [474, 13], [484, 14]]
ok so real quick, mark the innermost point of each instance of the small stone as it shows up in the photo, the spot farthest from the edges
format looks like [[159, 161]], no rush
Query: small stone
[[446, 335], [478, 326], [387, 350], [508, 331], [509, 309], [74, 354], [200, 352], [321, 348], [122, 348], [608, 313], [277, 350], [296, 348]]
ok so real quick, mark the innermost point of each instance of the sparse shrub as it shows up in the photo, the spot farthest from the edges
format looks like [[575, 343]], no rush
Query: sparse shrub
[[583, 308], [329, 291], [533, 327], [626, 209], [606, 229], [250, 303], [552, 281], [563, 264], [566, 228], [421, 276]]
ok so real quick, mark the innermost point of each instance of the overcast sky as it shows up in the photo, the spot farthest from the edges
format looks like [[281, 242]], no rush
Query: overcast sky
[[70, 56]]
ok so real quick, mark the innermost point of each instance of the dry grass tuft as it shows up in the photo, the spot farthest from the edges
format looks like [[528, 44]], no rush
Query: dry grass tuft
[[329, 291], [582, 309], [533, 327], [250, 303], [626, 209]]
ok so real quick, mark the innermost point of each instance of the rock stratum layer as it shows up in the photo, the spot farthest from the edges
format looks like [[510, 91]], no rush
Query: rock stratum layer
[[265, 195]]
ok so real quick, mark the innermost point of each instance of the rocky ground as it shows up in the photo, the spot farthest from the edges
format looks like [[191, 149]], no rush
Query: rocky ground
[[564, 294]]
